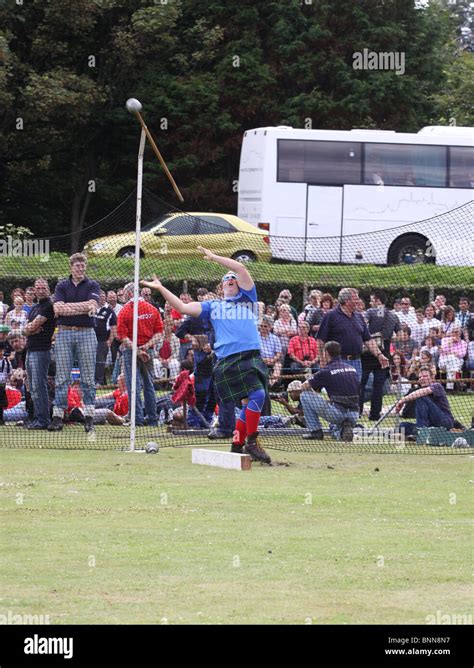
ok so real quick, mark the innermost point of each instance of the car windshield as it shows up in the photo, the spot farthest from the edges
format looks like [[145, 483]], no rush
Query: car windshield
[[149, 227]]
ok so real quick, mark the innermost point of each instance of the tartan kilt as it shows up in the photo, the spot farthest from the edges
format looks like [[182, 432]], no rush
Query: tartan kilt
[[237, 375]]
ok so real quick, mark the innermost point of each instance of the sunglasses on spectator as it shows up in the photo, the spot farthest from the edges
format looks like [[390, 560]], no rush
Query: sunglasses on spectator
[[229, 277]]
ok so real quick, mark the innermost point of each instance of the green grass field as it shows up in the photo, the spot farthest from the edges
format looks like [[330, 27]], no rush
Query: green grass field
[[110, 269], [112, 537]]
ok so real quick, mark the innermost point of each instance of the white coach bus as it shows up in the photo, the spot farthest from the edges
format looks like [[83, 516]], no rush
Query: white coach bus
[[318, 191]]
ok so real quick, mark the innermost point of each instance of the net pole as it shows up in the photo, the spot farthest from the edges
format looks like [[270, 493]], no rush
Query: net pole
[[136, 279]]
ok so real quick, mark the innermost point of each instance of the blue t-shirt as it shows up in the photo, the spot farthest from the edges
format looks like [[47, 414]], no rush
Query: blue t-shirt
[[234, 321]]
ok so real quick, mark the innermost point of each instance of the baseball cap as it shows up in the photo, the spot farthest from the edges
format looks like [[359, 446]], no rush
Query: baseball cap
[[295, 385]]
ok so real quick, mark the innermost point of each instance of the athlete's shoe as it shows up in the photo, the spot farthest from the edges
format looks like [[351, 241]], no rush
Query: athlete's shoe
[[237, 449], [255, 450]]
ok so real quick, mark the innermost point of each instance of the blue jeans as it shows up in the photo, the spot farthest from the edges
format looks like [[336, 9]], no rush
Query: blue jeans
[[81, 346], [37, 363], [428, 414], [16, 413], [316, 407], [145, 382]]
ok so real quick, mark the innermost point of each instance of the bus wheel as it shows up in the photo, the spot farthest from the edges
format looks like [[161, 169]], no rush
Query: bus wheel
[[411, 249], [244, 256]]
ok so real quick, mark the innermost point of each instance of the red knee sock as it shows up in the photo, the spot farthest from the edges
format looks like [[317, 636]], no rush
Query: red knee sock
[[240, 432], [252, 421]]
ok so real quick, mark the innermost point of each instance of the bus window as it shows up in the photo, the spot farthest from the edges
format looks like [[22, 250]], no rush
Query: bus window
[[319, 162], [461, 164], [405, 165]]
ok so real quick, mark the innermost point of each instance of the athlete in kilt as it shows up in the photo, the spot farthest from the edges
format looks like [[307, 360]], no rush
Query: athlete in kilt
[[240, 373]]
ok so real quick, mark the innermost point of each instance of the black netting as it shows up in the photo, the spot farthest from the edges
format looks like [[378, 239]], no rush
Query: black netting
[[83, 380]]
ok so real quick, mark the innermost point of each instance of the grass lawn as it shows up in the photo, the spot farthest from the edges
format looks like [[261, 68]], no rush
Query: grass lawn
[[110, 269], [114, 537]]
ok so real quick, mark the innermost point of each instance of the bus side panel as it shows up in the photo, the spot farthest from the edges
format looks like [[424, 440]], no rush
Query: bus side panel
[[382, 213], [252, 161]]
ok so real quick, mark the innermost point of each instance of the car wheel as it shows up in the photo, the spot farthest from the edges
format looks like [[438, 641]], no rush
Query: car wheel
[[244, 256], [128, 253], [412, 249]]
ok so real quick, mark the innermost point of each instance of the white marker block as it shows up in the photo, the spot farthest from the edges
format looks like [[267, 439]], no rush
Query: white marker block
[[224, 460]]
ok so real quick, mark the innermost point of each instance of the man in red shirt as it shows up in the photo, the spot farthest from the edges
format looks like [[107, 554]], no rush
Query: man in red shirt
[[303, 350], [150, 331]]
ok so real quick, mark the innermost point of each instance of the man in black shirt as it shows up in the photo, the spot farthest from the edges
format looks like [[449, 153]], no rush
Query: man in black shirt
[[105, 323], [380, 320], [341, 382], [39, 331]]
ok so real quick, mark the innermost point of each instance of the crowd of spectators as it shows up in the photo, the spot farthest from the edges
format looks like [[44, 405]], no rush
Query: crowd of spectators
[[435, 335]]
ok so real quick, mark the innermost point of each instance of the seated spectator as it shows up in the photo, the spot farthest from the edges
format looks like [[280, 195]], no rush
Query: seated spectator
[[201, 294], [406, 315], [285, 297], [404, 343], [432, 406], [430, 345], [270, 348], [285, 328], [303, 350], [294, 393], [3, 309], [312, 305], [15, 409], [270, 312], [448, 320], [463, 316], [16, 349], [435, 333], [397, 306], [430, 319], [452, 353], [17, 318], [398, 374], [341, 382], [438, 305], [314, 320], [113, 406], [167, 362], [420, 330], [16, 292], [5, 350]]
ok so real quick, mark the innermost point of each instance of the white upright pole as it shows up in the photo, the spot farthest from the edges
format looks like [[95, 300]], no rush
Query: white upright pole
[[136, 280]]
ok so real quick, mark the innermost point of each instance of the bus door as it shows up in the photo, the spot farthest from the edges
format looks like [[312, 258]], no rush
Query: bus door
[[324, 223]]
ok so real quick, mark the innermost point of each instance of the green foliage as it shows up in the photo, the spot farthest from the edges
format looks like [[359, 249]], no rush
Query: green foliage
[[206, 71]]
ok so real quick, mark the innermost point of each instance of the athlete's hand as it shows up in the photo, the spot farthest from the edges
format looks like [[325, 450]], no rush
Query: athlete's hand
[[155, 284], [209, 255]]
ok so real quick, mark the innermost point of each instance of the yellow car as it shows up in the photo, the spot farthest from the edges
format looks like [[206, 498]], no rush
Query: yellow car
[[176, 235]]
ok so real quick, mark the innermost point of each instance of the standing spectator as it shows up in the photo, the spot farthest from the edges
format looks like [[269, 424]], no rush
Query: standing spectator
[[384, 322], [285, 328], [105, 323], [452, 353], [285, 297], [303, 350], [150, 329], [270, 348], [326, 305], [39, 331], [120, 298], [463, 316], [313, 304], [75, 304], [30, 296], [406, 315], [344, 325], [397, 306], [17, 317], [448, 320]]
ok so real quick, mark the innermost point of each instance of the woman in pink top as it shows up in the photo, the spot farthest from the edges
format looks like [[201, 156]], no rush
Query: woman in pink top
[[452, 353]]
